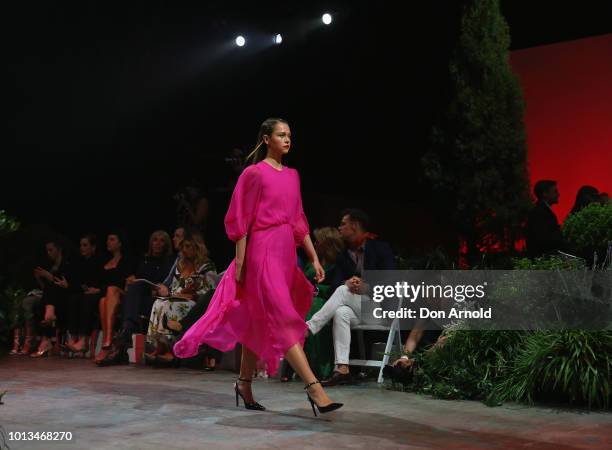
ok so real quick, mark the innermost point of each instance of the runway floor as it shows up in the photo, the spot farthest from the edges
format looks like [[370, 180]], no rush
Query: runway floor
[[138, 407]]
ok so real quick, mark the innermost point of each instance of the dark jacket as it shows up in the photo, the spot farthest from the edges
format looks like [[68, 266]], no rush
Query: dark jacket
[[377, 256], [52, 293], [543, 231], [90, 272], [154, 268], [117, 275]]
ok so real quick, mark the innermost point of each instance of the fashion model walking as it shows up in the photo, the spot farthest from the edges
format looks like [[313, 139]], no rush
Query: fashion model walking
[[263, 297]]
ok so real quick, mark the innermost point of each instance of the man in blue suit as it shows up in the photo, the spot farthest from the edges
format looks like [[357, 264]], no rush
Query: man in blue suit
[[362, 252]]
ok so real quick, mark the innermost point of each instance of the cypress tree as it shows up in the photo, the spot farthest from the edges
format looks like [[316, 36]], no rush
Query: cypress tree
[[477, 159]]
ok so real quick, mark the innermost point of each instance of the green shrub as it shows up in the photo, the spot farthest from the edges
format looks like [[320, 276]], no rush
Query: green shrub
[[572, 366], [549, 263], [8, 224], [11, 315], [589, 230], [568, 366], [468, 366]]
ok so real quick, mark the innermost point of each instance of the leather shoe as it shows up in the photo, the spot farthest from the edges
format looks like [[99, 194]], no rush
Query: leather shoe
[[115, 357], [337, 378]]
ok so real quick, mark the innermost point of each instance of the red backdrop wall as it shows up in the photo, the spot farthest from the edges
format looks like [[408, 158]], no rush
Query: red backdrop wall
[[568, 95]]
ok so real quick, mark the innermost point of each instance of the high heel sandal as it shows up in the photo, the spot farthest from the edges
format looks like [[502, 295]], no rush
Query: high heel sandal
[[322, 409], [15, 350], [41, 353], [27, 346], [74, 351], [115, 356], [256, 406], [77, 350], [105, 348]]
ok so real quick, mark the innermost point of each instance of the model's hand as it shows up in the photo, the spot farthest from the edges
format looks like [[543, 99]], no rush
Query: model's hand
[[238, 272], [319, 272]]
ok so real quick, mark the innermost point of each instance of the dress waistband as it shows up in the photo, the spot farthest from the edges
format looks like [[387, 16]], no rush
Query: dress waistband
[[276, 225]]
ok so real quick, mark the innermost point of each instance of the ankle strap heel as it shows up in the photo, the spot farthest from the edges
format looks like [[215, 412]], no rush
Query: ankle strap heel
[[315, 406], [253, 405], [310, 384]]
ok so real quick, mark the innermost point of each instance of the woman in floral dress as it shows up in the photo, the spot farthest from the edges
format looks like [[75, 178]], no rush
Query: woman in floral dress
[[195, 275]]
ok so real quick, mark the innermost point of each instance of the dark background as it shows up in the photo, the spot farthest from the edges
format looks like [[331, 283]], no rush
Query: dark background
[[114, 106]]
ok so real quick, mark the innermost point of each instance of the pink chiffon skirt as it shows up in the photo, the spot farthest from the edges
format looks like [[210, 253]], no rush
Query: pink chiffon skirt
[[266, 312]]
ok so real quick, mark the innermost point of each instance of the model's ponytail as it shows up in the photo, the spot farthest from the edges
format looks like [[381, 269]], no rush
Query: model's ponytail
[[260, 150]]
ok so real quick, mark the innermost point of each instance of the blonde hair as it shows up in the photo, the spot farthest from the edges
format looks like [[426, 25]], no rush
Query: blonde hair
[[167, 251], [329, 243], [201, 251]]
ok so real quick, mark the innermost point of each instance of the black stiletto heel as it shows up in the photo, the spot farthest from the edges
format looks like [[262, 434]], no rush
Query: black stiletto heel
[[255, 406], [322, 409]]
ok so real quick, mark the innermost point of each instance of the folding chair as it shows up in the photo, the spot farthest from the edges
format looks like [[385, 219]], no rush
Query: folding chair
[[377, 325]]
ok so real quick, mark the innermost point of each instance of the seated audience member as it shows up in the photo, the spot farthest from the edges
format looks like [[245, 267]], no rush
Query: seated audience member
[[543, 230], [82, 311], [192, 208], [177, 238], [59, 283], [26, 318], [211, 355], [319, 348], [113, 281], [413, 341], [194, 276], [154, 267], [584, 197], [25, 315], [424, 331], [402, 369], [362, 252]]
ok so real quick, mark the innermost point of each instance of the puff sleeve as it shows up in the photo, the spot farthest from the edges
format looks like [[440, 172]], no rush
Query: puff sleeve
[[243, 205], [300, 223]]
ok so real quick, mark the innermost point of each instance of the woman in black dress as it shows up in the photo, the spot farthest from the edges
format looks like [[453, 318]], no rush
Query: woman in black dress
[[114, 275]]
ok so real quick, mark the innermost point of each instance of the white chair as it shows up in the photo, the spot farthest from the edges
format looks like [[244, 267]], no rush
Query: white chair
[[377, 325]]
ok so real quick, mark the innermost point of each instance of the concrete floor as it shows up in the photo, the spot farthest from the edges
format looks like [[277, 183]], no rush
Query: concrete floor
[[136, 407]]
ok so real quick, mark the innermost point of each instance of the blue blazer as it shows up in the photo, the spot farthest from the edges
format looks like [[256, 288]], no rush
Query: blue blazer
[[377, 256]]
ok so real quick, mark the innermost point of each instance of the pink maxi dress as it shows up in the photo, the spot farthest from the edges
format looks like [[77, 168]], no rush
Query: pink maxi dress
[[266, 312]]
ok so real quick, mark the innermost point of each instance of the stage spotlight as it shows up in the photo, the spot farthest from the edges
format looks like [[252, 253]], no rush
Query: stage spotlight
[[278, 39], [327, 19], [240, 41]]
